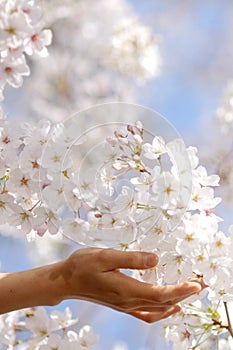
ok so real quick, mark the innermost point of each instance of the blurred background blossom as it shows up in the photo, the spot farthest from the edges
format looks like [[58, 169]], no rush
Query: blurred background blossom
[[100, 52]]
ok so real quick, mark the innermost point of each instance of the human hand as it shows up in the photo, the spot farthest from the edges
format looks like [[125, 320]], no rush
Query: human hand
[[94, 275]]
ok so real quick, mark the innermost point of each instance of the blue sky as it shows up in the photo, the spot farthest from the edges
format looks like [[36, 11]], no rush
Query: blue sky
[[192, 38]]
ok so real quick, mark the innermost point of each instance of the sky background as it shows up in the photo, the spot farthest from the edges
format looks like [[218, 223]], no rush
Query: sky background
[[196, 49]]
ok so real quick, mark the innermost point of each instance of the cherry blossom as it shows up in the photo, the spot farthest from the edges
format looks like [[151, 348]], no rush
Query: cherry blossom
[[21, 33], [44, 331], [130, 40], [154, 150], [37, 42]]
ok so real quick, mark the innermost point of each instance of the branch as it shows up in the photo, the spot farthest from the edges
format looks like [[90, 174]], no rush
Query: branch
[[228, 319]]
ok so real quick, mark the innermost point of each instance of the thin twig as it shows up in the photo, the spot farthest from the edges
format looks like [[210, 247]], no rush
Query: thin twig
[[228, 319], [35, 205]]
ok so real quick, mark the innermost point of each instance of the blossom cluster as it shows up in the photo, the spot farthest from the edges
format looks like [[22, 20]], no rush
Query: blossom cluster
[[171, 208], [140, 193], [26, 174], [200, 326], [35, 329], [102, 57], [21, 33], [133, 49]]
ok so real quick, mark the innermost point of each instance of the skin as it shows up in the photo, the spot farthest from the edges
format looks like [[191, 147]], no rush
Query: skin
[[94, 275]]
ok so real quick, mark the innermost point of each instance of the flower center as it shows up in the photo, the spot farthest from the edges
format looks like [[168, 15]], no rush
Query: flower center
[[24, 181], [35, 37], [8, 70]]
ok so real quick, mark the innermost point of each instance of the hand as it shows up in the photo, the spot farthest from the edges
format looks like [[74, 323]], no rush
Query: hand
[[94, 275]]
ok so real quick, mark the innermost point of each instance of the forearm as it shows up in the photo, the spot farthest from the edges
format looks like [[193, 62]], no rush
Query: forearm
[[40, 286]]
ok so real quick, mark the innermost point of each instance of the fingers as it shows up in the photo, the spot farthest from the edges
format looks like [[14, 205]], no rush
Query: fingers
[[179, 291], [163, 294], [199, 280], [178, 300], [115, 259], [151, 317], [135, 289]]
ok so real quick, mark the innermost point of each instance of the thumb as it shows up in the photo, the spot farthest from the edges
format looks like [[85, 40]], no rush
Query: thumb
[[115, 259]]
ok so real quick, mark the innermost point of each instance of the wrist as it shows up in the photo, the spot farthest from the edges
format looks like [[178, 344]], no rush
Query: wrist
[[55, 290], [35, 287], [60, 285], [45, 285]]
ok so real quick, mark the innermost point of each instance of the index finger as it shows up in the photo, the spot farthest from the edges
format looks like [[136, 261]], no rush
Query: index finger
[[115, 259]]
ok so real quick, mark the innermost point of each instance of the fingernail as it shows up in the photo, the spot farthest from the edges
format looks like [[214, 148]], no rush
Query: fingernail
[[151, 260]]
